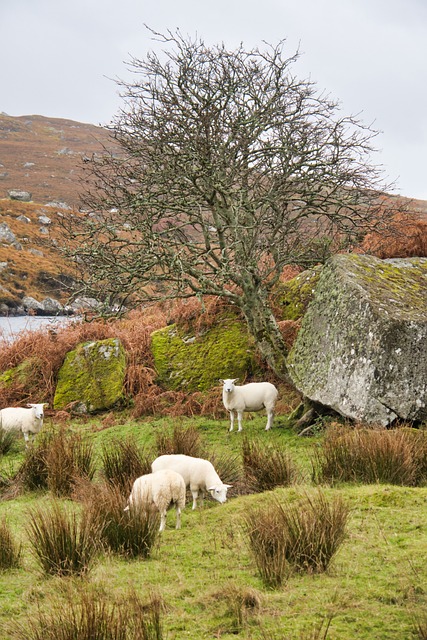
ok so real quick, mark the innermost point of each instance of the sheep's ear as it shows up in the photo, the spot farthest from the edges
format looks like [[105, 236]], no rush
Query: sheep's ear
[[211, 489], [221, 380], [228, 486], [235, 379]]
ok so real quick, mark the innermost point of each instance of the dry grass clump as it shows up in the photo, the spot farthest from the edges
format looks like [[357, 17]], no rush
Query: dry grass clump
[[132, 533], [198, 315], [10, 551], [396, 456], [92, 617], [185, 440], [406, 237], [122, 461], [56, 461], [63, 542], [266, 466], [242, 604], [295, 536]]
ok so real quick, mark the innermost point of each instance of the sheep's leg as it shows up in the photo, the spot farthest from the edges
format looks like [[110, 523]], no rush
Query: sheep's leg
[[270, 415], [178, 517], [231, 420], [194, 494], [162, 521], [239, 419]]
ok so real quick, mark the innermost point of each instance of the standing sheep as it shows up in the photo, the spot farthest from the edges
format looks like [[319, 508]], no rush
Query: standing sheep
[[249, 397], [162, 489], [199, 475], [29, 421]]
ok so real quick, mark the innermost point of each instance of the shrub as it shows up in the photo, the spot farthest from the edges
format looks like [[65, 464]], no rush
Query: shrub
[[266, 466], [302, 536], [63, 542], [95, 618], [122, 461], [10, 552], [397, 456], [132, 533]]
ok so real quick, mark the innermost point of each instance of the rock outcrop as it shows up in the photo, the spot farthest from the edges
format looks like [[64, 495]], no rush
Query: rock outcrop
[[92, 377], [362, 346]]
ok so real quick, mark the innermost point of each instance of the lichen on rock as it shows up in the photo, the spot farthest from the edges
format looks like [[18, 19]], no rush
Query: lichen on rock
[[194, 362], [363, 340], [92, 376]]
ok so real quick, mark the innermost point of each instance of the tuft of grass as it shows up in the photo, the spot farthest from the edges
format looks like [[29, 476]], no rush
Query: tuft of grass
[[420, 627], [132, 533], [7, 440], [122, 461], [299, 536], [396, 456], [10, 552], [242, 604], [63, 542], [185, 440], [67, 458], [266, 466], [95, 618]]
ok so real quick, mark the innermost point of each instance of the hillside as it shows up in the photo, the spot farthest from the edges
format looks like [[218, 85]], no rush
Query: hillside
[[43, 156]]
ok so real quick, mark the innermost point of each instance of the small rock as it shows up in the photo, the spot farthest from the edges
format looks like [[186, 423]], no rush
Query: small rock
[[22, 196]]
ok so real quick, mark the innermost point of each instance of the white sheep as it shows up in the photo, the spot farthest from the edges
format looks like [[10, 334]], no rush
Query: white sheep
[[162, 488], [29, 421], [199, 475], [249, 397]]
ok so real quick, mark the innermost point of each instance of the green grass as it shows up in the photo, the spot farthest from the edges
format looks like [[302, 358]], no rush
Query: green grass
[[375, 586]]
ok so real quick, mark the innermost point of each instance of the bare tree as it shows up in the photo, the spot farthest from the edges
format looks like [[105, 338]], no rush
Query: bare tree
[[228, 168]]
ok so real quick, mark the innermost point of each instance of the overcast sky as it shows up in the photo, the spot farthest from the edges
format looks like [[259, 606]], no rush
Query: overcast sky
[[60, 58]]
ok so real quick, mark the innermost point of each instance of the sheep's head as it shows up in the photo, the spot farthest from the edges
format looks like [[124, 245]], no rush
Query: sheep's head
[[38, 410], [219, 492], [229, 384]]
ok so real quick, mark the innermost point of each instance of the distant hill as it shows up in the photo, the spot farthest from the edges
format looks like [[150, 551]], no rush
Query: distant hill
[[44, 156]]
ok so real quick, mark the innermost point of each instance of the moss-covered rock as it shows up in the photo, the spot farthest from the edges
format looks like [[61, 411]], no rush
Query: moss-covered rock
[[92, 376], [363, 340], [194, 362], [293, 296]]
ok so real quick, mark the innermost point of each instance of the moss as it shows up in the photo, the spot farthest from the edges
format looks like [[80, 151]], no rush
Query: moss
[[23, 374], [92, 375], [396, 285], [294, 296], [196, 362]]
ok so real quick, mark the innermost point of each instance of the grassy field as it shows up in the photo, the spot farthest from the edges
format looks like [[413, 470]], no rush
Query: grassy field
[[374, 589]]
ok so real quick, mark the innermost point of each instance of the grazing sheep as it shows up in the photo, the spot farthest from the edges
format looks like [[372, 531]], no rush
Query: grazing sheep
[[162, 489], [199, 475], [29, 421], [249, 397]]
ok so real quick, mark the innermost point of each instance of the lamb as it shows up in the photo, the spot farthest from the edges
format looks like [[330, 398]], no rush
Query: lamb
[[29, 421], [161, 489], [249, 397], [199, 475]]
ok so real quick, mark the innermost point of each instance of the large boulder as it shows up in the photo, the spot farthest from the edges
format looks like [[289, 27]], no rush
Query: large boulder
[[92, 377], [194, 361], [362, 346]]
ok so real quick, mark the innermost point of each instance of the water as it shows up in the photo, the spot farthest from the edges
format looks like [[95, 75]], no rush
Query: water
[[12, 327]]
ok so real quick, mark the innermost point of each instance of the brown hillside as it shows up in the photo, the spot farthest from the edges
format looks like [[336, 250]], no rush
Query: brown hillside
[[44, 156]]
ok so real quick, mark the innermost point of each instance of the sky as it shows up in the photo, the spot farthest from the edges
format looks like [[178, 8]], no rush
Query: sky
[[62, 58]]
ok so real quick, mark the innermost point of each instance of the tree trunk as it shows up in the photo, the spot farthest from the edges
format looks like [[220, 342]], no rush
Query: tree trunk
[[265, 331]]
